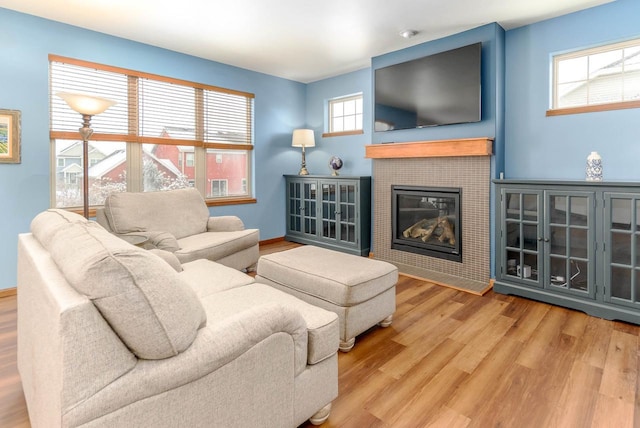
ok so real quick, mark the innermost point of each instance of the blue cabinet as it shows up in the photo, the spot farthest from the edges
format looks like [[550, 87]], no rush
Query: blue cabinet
[[330, 211], [573, 244]]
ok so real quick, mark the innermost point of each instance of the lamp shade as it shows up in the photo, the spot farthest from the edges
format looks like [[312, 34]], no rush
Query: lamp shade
[[303, 138], [86, 104]]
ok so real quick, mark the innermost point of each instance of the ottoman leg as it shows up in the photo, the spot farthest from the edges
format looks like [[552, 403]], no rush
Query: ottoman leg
[[347, 345], [386, 322], [321, 415]]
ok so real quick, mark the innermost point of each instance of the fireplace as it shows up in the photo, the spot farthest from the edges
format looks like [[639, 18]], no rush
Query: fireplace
[[426, 221]]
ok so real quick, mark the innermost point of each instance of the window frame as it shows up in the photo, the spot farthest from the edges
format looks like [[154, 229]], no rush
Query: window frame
[[587, 108], [330, 108], [135, 139]]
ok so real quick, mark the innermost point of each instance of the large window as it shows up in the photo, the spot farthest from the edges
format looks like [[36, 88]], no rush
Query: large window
[[160, 135], [603, 78], [345, 115]]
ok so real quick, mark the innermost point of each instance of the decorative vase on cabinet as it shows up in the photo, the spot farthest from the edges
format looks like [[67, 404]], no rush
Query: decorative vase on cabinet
[[594, 167]]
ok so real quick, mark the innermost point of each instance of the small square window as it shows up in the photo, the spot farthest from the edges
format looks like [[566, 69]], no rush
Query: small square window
[[345, 114]]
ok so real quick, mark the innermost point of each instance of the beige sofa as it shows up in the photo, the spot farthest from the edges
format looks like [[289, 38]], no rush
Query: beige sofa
[[112, 335], [179, 221]]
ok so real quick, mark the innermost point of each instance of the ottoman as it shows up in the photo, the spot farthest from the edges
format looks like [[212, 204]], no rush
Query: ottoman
[[359, 290]]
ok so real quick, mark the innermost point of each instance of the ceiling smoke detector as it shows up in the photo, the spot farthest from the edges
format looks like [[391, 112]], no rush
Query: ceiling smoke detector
[[407, 34]]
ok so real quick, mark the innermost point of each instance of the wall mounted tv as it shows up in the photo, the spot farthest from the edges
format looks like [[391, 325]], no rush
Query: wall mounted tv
[[439, 89]]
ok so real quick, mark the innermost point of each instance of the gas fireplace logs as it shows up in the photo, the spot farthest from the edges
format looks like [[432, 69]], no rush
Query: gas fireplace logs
[[438, 227]]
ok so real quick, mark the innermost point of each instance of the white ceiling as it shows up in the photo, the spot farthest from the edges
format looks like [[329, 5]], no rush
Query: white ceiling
[[301, 40]]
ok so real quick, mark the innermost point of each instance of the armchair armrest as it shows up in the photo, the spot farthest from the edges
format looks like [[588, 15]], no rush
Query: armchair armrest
[[225, 223], [217, 345]]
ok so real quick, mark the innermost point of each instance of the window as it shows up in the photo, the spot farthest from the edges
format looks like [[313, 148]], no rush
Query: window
[[157, 137], [602, 78], [345, 116], [219, 187]]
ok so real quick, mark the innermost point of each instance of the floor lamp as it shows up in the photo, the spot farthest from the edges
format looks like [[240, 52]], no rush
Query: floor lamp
[[87, 106], [303, 138]]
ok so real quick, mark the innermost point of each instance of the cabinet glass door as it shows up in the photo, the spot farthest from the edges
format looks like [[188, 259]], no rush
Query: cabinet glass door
[[569, 239], [622, 240], [347, 212], [329, 210], [295, 206], [309, 207], [521, 235]]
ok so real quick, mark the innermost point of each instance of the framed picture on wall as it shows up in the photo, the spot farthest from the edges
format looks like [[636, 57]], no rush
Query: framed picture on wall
[[9, 136]]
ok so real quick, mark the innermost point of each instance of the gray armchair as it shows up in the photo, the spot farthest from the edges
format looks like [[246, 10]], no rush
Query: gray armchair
[[179, 221]]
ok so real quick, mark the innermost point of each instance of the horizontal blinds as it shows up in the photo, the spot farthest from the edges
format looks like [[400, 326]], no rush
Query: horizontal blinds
[[151, 109]]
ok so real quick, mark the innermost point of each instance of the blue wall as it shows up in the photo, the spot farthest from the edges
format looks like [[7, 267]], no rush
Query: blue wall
[[557, 147], [24, 85], [349, 148]]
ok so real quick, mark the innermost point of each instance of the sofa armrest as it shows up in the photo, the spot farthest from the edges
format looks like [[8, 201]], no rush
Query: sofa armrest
[[226, 223], [218, 346]]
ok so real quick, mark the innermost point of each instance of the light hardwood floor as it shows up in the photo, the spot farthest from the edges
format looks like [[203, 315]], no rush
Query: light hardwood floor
[[451, 359]]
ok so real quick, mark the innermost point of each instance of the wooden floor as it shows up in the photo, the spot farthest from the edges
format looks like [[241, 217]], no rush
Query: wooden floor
[[452, 359]]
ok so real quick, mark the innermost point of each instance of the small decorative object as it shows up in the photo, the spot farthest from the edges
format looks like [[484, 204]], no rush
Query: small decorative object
[[594, 167], [9, 136], [335, 163]]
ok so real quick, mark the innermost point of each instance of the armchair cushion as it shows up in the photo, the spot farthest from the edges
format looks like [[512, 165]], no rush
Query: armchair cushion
[[155, 313], [215, 245], [180, 212]]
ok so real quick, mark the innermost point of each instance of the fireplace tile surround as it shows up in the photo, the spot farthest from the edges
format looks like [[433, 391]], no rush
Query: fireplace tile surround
[[470, 171]]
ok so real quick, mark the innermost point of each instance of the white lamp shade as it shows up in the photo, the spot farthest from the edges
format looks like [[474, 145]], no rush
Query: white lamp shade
[[86, 104], [303, 138]]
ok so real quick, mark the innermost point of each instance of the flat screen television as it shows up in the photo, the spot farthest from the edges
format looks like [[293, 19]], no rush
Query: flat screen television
[[439, 89]]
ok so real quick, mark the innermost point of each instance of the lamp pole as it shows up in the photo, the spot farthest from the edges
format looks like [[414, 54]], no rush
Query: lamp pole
[[87, 106], [85, 133]]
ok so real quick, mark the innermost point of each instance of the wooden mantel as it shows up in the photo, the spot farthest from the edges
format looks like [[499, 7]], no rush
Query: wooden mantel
[[427, 149]]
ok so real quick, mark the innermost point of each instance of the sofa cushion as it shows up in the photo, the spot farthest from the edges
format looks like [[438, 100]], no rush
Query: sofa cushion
[[48, 222], [216, 245], [206, 277], [168, 257], [322, 325], [181, 212], [141, 297]]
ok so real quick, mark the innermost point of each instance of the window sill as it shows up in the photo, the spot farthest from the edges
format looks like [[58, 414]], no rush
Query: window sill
[[593, 108], [230, 201], [342, 134]]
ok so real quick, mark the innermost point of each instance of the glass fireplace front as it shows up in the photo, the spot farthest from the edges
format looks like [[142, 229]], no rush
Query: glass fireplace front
[[426, 220]]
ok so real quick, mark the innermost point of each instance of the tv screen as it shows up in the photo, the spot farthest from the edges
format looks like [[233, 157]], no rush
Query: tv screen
[[439, 89]]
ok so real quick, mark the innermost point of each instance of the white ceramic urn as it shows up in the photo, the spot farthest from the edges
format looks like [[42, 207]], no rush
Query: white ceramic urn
[[594, 167]]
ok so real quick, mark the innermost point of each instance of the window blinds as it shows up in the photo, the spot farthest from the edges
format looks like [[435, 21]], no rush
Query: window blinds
[[151, 109]]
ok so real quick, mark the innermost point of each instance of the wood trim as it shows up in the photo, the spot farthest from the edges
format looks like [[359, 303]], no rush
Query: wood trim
[[129, 72], [230, 201], [272, 241], [9, 292], [129, 138], [593, 108], [444, 284], [427, 149], [342, 134], [227, 146]]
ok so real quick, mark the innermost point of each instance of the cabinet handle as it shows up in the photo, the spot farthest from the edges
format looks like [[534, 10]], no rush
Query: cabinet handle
[[546, 239], [539, 239]]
